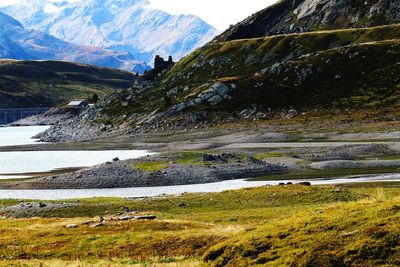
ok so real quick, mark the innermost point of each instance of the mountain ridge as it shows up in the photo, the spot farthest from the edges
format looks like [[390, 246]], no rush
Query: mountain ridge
[[132, 26], [23, 44]]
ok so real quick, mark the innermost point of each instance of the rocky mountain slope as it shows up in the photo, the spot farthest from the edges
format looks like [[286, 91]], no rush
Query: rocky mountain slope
[[128, 25], [25, 84], [341, 69], [16, 42], [294, 16]]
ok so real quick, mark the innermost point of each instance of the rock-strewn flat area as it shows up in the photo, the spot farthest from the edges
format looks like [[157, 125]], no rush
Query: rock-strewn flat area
[[214, 152], [119, 174]]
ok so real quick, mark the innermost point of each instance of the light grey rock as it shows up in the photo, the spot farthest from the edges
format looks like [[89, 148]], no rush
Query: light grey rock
[[172, 92], [96, 225], [126, 217], [180, 107], [198, 101], [264, 71], [222, 89], [145, 217], [215, 100], [207, 94]]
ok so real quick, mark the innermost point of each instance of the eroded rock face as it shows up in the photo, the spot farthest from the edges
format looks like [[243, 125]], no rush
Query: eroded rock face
[[308, 7], [214, 95], [329, 11], [293, 16]]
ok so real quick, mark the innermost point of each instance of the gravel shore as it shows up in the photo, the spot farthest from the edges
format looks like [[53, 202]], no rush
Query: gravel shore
[[121, 174]]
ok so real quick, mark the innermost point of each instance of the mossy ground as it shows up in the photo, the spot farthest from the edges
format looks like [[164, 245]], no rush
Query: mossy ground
[[189, 225]]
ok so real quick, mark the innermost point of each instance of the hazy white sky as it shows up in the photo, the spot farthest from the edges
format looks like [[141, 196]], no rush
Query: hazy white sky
[[218, 13]]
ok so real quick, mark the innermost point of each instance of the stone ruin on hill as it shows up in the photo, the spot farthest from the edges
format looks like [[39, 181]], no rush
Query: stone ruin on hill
[[160, 64]]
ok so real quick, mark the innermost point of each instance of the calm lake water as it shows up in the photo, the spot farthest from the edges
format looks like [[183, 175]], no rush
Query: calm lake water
[[13, 164], [39, 161], [43, 161], [12, 136]]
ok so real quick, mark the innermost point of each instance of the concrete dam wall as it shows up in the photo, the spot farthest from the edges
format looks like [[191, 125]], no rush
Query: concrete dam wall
[[10, 115]]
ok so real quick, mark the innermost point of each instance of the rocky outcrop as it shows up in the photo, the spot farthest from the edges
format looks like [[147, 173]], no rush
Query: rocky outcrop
[[214, 95], [74, 129], [293, 16]]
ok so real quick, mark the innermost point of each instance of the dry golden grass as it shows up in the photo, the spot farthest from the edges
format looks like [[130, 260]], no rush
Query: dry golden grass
[[182, 234]]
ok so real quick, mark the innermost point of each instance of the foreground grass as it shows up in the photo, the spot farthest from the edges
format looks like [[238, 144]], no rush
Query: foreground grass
[[354, 234], [193, 225], [102, 263]]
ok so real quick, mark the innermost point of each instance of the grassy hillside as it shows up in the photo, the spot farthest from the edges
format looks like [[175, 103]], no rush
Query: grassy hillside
[[286, 225], [345, 68], [50, 83]]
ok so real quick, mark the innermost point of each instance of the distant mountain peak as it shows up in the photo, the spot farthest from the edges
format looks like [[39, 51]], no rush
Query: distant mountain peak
[[17, 42], [7, 21], [133, 26]]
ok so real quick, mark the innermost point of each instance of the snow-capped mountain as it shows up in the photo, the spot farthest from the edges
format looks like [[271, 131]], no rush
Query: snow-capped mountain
[[130, 25], [16, 42]]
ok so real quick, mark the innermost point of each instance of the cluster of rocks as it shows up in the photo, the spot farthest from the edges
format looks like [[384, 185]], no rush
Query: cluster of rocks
[[351, 152], [353, 164], [256, 113], [215, 94], [51, 117], [219, 158], [123, 174], [73, 130], [212, 96], [253, 114], [32, 209], [290, 183], [296, 75], [308, 68], [103, 221]]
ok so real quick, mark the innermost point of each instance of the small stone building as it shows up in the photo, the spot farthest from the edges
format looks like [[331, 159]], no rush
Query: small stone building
[[81, 104]]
